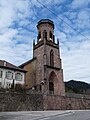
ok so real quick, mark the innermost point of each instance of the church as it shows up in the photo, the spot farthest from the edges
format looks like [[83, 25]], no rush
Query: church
[[44, 70], [43, 78]]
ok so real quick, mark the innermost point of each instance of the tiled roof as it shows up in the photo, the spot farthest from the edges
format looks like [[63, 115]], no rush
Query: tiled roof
[[27, 62], [5, 64]]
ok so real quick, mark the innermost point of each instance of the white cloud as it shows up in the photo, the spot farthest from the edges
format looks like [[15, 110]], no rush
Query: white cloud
[[83, 19], [37, 2], [76, 61], [79, 3], [23, 9], [61, 35], [11, 11], [71, 14], [6, 38], [6, 13]]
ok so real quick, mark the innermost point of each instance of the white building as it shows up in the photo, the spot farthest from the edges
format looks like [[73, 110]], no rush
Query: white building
[[10, 73]]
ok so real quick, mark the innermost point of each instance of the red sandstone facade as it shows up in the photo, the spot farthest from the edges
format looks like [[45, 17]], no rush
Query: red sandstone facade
[[45, 73]]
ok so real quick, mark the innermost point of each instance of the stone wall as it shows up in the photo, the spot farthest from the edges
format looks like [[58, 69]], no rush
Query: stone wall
[[68, 102], [33, 102], [20, 102]]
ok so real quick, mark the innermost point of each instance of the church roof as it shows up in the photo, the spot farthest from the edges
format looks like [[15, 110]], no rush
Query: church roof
[[27, 62]]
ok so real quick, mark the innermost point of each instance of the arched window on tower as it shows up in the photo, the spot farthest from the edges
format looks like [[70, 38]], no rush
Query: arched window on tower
[[45, 34], [51, 58], [39, 36], [50, 34]]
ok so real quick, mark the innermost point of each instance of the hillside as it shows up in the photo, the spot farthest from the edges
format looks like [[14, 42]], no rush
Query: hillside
[[77, 87]]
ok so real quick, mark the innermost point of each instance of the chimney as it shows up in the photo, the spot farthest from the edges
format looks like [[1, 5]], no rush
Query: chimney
[[5, 63]]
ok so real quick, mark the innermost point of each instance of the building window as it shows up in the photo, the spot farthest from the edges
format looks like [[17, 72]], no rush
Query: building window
[[9, 75], [39, 36], [1, 73], [50, 34], [45, 34], [18, 76], [51, 58], [51, 87]]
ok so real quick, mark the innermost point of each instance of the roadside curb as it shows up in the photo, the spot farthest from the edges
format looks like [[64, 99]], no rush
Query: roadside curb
[[58, 114]]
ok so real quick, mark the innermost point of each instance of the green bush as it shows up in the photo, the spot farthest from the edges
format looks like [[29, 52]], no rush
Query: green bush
[[19, 88]]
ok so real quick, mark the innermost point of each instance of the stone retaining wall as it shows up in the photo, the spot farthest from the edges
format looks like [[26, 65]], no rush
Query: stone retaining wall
[[20, 102], [33, 102], [65, 102]]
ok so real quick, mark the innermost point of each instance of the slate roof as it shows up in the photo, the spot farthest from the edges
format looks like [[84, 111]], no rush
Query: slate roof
[[7, 65], [27, 62]]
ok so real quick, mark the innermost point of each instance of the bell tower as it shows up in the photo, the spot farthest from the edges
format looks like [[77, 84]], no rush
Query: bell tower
[[49, 72], [46, 27]]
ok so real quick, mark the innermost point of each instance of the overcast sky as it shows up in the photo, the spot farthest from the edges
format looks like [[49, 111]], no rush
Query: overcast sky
[[18, 20]]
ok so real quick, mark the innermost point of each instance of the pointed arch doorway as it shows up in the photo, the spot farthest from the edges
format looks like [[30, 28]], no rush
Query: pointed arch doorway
[[52, 81]]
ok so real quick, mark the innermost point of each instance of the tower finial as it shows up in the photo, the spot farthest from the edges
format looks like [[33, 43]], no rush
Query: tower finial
[[58, 41]]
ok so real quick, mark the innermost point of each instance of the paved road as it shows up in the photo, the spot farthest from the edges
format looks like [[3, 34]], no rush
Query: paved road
[[46, 115]]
